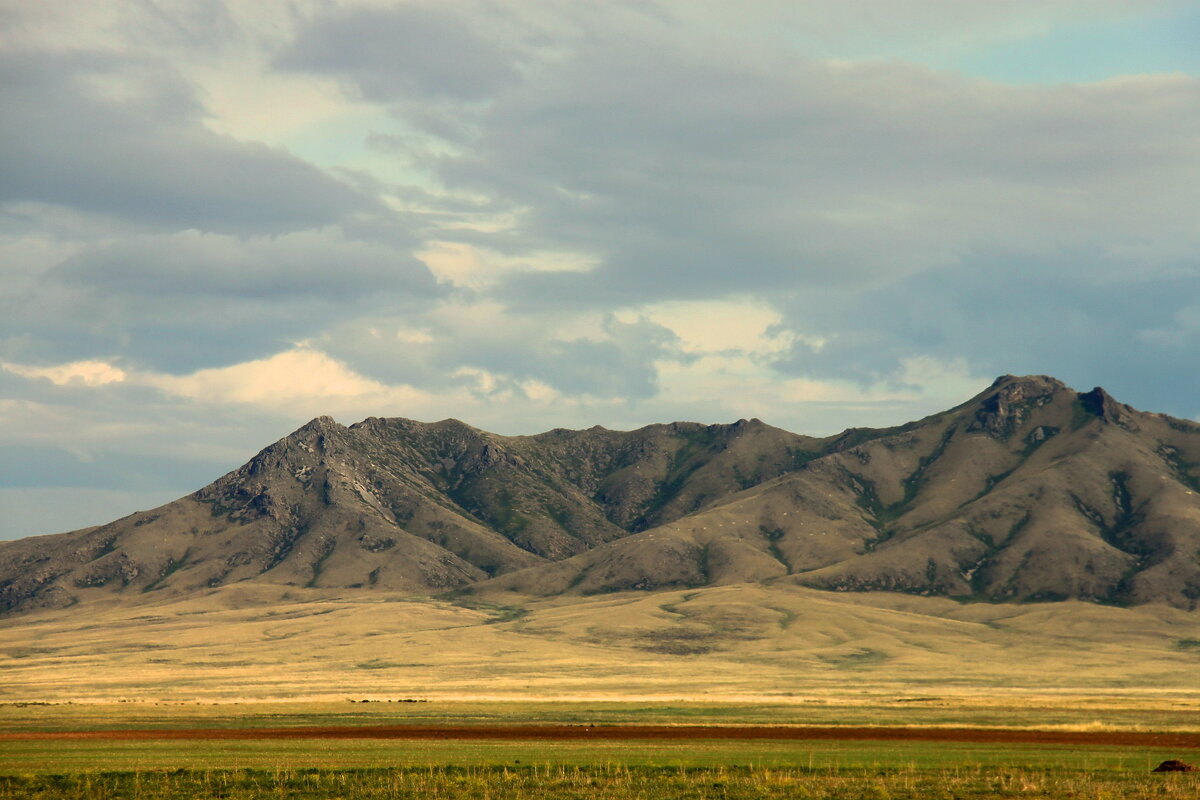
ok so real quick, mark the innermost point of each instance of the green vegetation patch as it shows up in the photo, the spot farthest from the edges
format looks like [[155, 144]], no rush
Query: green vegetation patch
[[500, 613], [685, 461], [171, 568], [1080, 414], [518, 782], [773, 536], [864, 657], [376, 663], [64, 757]]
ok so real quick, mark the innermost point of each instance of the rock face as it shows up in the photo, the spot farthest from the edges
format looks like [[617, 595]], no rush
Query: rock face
[[1030, 491]]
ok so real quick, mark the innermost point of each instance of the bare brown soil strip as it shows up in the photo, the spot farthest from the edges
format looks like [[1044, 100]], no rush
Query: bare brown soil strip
[[643, 732]]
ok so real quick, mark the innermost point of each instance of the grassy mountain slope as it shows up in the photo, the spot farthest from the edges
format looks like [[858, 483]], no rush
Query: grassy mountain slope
[[1029, 491], [402, 505]]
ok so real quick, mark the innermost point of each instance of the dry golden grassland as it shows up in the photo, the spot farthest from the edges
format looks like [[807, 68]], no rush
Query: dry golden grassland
[[271, 657], [744, 644]]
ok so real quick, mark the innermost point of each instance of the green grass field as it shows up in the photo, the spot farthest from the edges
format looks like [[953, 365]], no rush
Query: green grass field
[[1165, 711], [617, 781], [89, 756], [352, 769], [372, 768]]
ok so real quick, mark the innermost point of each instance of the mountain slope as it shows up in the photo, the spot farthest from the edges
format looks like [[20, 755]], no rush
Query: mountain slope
[[403, 506], [1029, 491], [1033, 492]]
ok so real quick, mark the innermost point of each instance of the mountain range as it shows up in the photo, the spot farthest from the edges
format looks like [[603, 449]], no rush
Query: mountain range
[[1029, 491]]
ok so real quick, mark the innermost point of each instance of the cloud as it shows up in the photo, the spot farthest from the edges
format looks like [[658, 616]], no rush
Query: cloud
[[182, 300], [747, 327], [687, 177], [85, 373], [591, 355], [218, 221], [728, 386], [884, 208], [1078, 315], [473, 267], [322, 263], [164, 27], [411, 49], [95, 451], [301, 377], [124, 138]]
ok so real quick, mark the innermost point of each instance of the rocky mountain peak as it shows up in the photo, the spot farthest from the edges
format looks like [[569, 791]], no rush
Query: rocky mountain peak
[[1101, 404], [1015, 387], [314, 437], [1009, 400], [321, 424]]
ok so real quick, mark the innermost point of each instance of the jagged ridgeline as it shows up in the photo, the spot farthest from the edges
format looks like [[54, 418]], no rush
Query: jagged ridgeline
[[1028, 492]]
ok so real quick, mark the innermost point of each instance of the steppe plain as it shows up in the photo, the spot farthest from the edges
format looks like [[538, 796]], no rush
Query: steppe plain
[[285, 691], [403, 609]]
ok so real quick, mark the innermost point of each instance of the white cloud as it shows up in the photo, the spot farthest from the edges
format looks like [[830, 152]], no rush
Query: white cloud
[[304, 382], [928, 377], [730, 386], [539, 391], [715, 326], [300, 382], [294, 378], [412, 336], [77, 373], [480, 380], [473, 267]]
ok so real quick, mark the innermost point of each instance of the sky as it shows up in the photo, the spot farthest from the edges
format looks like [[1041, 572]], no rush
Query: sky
[[221, 219]]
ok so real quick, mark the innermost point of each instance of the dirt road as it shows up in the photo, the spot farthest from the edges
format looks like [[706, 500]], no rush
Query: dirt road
[[642, 732]]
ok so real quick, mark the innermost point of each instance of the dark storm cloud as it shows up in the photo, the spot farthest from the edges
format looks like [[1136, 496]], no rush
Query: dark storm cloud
[[318, 263], [831, 190], [124, 138], [178, 302], [409, 50], [688, 178], [1010, 313]]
